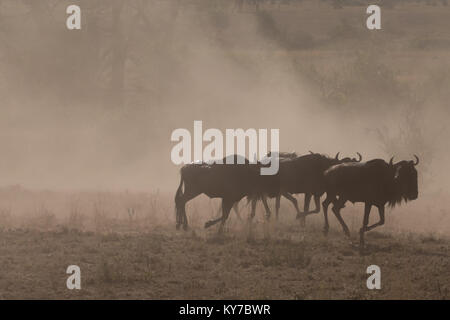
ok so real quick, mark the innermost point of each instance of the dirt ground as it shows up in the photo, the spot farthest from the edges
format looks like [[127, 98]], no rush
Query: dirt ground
[[166, 264]]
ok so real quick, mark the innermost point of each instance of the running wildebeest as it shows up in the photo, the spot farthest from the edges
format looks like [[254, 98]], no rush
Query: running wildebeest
[[231, 182], [262, 194], [255, 197], [374, 183], [316, 195], [302, 174]]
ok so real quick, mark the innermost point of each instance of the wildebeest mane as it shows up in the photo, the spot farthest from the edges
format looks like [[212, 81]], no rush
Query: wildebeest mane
[[395, 196], [398, 194], [396, 199]]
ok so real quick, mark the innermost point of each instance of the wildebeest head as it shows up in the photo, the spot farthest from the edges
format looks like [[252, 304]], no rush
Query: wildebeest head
[[330, 161], [405, 177]]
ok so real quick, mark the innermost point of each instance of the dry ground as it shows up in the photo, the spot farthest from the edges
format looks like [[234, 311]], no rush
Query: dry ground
[[142, 256], [166, 264]]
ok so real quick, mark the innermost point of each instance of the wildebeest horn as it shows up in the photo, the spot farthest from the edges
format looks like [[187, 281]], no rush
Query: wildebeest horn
[[391, 162], [417, 160], [337, 156], [360, 156], [311, 152]]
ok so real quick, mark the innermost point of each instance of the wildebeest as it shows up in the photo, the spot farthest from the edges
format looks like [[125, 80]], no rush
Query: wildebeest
[[275, 189], [303, 174], [374, 183], [317, 195], [230, 182]]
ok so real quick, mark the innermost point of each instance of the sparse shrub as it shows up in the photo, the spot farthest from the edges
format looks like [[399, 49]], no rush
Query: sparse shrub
[[220, 288], [6, 218], [44, 219], [76, 217], [364, 83], [110, 236], [291, 255], [111, 271], [430, 238], [105, 273], [100, 218]]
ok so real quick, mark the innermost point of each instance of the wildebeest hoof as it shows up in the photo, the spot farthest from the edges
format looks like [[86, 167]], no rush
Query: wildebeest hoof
[[185, 227], [300, 215], [208, 224]]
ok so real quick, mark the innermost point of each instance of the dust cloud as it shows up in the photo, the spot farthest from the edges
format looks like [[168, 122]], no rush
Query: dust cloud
[[94, 109]]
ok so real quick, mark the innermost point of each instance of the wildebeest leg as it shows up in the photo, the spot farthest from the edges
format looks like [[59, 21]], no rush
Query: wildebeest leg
[[221, 219], [251, 216], [308, 201], [367, 208], [253, 211], [379, 223], [337, 206], [306, 204], [277, 205], [317, 203], [213, 222], [292, 199], [325, 205], [235, 208], [266, 207], [226, 208], [366, 228]]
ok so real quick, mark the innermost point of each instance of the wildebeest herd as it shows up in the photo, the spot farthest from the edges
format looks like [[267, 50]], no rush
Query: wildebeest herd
[[375, 183]]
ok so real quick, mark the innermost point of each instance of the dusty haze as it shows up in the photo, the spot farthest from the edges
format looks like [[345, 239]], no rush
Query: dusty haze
[[94, 109], [86, 118]]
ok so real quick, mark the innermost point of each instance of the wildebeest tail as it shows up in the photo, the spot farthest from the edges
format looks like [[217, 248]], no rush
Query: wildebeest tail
[[178, 196]]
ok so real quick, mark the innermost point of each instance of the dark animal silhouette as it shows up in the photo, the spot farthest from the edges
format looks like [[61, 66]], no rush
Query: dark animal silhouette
[[230, 182], [262, 194], [303, 174], [374, 183], [308, 195]]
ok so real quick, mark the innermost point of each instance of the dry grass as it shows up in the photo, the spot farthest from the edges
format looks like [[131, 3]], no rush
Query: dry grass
[[164, 264], [144, 257]]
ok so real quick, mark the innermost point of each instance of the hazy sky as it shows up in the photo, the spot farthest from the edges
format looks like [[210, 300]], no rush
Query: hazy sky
[[60, 127]]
